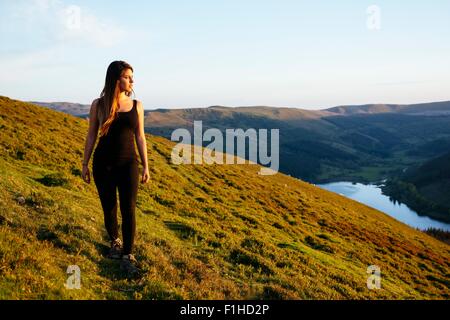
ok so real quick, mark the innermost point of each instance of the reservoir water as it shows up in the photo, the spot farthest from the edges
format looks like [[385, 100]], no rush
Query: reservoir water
[[371, 195]]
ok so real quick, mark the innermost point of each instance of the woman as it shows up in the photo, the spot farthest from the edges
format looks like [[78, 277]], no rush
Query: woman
[[115, 164]]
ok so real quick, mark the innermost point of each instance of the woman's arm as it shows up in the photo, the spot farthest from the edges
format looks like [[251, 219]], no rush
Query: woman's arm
[[141, 143], [90, 140]]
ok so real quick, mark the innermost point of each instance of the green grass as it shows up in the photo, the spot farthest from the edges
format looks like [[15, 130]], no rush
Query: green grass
[[203, 231], [376, 171]]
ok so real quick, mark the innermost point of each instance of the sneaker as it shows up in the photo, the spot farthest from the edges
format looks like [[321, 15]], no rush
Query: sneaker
[[116, 249], [128, 264]]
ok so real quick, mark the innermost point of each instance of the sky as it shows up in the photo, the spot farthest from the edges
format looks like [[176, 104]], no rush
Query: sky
[[188, 54]]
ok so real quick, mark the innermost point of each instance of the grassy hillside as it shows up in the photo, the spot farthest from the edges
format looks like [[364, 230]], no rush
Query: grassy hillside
[[204, 231]]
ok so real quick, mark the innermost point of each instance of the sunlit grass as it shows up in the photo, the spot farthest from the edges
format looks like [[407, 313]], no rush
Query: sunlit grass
[[203, 231]]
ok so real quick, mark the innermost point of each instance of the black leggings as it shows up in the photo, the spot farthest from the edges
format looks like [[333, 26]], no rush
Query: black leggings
[[125, 177]]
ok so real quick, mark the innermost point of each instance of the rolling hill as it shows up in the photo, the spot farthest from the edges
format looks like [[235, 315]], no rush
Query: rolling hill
[[353, 143], [432, 108], [362, 143], [204, 231], [425, 188], [75, 109]]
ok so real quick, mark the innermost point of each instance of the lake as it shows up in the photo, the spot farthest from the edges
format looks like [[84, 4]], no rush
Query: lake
[[371, 195]]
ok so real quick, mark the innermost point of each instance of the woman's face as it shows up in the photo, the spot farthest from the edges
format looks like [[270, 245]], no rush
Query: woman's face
[[126, 80]]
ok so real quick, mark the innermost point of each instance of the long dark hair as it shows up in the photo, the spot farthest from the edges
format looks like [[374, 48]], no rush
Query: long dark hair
[[108, 102]]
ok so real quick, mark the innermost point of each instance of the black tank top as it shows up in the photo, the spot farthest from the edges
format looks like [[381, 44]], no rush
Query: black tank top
[[117, 146]]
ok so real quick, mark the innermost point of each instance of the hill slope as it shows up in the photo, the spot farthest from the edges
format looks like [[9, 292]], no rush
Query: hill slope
[[204, 231], [363, 143], [425, 188], [432, 108], [357, 143], [75, 109]]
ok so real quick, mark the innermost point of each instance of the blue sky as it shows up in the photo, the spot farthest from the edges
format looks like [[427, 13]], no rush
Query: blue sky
[[306, 54]]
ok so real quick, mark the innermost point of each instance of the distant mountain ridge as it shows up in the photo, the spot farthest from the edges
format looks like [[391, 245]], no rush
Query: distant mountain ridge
[[280, 113], [362, 143], [75, 109], [358, 143], [431, 108]]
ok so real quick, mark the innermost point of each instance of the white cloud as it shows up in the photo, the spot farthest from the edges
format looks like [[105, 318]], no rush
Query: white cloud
[[27, 64], [61, 23]]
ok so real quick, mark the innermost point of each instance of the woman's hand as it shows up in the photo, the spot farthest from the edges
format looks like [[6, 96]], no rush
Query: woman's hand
[[145, 176], [85, 174]]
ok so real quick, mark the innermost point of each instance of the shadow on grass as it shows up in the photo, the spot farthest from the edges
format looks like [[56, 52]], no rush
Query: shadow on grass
[[110, 269]]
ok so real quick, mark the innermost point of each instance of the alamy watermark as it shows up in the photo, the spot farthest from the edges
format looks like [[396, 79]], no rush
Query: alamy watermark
[[374, 280], [373, 21], [72, 15], [74, 280], [257, 147]]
